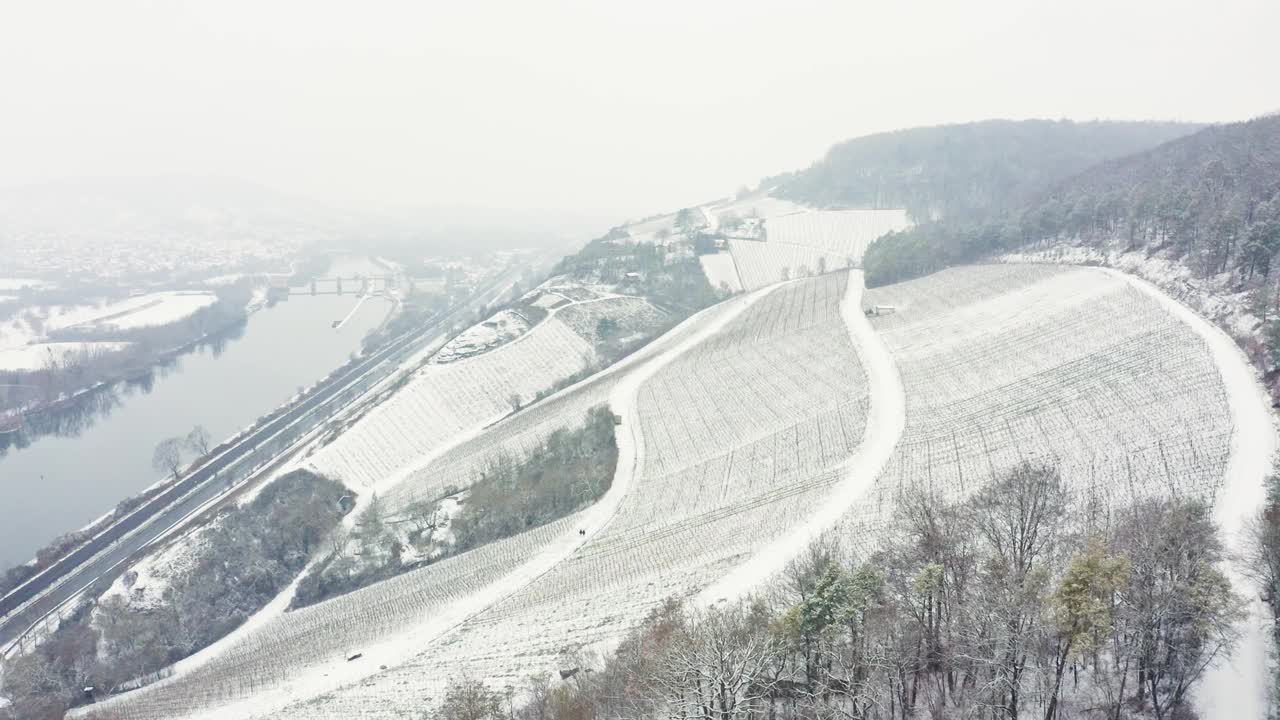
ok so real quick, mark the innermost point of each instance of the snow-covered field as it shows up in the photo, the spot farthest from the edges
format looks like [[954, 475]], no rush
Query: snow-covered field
[[755, 205], [461, 464], [745, 431], [801, 242], [31, 325], [1074, 367], [135, 312], [764, 263], [444, 401], [843, 232], [721, 271], [707, 494], [22, 338], [304, 652], [38, 356], [647, 231]]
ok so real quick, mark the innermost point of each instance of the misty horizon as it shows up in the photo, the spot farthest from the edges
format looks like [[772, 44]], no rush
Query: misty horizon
[[567, 107]]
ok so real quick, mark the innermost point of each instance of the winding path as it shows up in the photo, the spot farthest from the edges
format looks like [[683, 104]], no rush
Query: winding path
[[886, 420], [1235, 686], [328, 676]]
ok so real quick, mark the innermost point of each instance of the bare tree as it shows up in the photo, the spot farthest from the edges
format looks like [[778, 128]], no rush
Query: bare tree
[[718, 665], [1179, 608], [198, 441], [167, 457], [1017, 519], [468, 699]]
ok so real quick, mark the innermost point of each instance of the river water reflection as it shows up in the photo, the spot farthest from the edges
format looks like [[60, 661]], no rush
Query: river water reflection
[[71, 466]]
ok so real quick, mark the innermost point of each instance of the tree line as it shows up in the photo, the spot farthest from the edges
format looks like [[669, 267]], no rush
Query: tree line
[[568, 471], [1208, 200], [238, 563], [964, 170], [64, 372], [1021, 602], [669, 277]]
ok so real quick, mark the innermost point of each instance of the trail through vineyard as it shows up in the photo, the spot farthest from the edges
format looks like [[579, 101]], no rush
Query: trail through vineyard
[[1236, 686], [886, 419]]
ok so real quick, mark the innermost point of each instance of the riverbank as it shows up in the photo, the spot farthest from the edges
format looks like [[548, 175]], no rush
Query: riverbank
[[227, 383], [74, 540]]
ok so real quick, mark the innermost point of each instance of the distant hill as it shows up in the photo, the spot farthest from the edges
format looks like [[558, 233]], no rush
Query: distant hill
[[967, 169], [1208, 199], [97, 209]]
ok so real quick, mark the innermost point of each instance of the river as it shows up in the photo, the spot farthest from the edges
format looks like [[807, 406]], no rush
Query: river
[[99, 452]]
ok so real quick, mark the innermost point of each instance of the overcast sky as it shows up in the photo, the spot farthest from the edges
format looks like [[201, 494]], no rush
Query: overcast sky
[[599, 106]]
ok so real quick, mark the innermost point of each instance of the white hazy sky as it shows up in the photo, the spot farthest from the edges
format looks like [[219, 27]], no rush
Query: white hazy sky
[[580, 106]]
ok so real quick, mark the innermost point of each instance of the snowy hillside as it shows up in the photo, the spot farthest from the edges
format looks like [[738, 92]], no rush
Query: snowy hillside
[[744, 433]]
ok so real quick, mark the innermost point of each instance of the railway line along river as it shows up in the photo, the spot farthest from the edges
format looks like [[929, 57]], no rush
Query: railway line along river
[[98, 452]]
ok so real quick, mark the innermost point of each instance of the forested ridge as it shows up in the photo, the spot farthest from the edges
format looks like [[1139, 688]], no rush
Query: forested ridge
[[1208, 199], [964, 170]]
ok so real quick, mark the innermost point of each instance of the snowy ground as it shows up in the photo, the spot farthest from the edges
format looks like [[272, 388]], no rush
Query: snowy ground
[[501, 328], [755, 205], [37, 356], [142, 311], [573, 534], [1236, 687], [764, 263], [1087, 351], [843, 232], [30, 325], [1222, 316], [8, 284], [885, 422], [144, 585], [721, 271]]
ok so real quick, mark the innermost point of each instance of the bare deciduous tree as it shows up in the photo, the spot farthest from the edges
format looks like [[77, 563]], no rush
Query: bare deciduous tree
[[198, 441], [167, 457], [468, 699]]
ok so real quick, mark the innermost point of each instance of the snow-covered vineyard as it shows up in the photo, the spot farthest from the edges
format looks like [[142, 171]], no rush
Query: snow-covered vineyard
[[1073, 367], [843, 232], [803, 242], [764, 263], [705, 496], [443, 401], [738, 428]]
